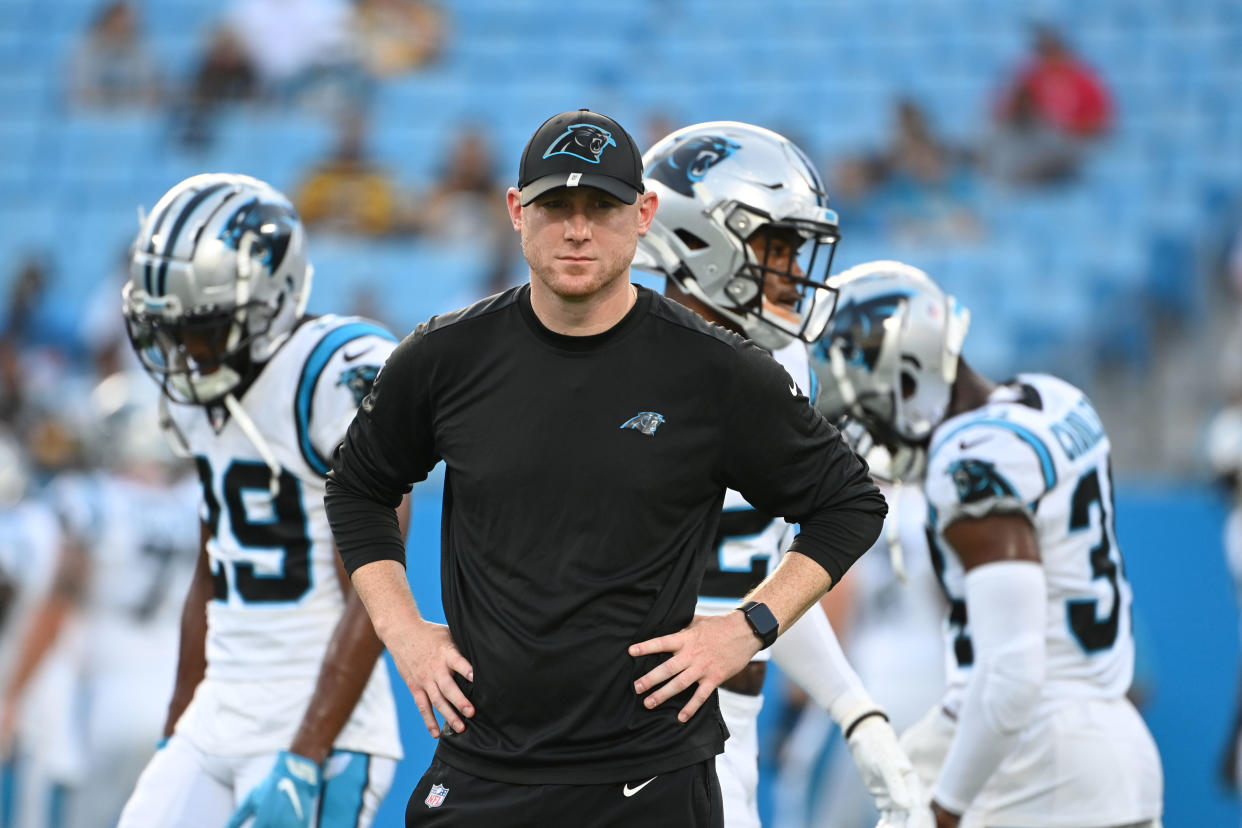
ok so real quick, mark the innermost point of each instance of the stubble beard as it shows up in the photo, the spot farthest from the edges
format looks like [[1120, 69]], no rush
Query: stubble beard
[[576, 287]]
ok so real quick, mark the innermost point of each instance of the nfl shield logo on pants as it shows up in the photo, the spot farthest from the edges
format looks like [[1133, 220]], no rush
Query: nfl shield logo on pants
[[436, 798]]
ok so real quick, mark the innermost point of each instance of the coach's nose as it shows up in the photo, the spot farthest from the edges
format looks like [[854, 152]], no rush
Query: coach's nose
[[578, 226]]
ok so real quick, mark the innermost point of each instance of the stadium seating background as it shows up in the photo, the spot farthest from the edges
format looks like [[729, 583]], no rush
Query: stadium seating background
[[1076, 280]]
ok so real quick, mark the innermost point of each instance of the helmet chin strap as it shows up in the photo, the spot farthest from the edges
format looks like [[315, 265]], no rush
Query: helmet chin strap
[[256, 439], [181, 446]]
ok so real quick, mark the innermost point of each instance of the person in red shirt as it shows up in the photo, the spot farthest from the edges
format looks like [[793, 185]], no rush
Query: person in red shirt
[[1067, 93]]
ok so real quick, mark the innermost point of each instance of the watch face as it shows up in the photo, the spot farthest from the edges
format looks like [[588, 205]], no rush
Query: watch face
[[762, 621]]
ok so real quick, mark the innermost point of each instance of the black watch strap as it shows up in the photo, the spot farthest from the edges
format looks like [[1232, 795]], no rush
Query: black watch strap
[[762, 622]]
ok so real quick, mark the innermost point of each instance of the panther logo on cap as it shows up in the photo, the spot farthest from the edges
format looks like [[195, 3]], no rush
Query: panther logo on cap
[[687, 162], [585, 141]]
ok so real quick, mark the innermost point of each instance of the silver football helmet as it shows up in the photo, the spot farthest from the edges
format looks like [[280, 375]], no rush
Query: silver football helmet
[[890, 355], [126, 430], [218, 279], [719, 184]]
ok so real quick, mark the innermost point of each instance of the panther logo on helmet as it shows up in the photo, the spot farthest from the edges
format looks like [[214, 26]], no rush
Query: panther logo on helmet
[[685, 163], [271, 224], [585, 141], [858, 328]]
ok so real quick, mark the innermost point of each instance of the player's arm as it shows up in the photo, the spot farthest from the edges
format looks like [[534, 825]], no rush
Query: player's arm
[[423, 651], [46, 625], [192, 653], [786, 460], [389, 446], [1006, 602], [810, 654]]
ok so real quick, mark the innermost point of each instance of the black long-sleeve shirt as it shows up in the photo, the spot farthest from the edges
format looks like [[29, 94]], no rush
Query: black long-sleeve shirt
[[584, 484]]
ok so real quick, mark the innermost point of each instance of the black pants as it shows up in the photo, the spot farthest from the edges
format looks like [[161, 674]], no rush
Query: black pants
[[449, 798]]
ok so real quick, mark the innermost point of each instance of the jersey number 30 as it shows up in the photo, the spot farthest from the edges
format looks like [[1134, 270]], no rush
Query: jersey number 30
[[282, 528], [1092, 632]]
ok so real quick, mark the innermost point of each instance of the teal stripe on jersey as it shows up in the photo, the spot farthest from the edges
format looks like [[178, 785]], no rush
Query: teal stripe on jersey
[[315, 363], [341, 804], [1041, 451]]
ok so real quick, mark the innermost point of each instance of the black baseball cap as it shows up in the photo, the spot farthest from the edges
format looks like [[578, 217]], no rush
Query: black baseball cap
[[581, 148]]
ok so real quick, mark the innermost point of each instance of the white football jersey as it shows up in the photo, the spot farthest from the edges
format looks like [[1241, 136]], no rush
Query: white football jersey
[[749, 543], [278, 596], [1038, 449], [29, 552], [30, 539], [141, 541]]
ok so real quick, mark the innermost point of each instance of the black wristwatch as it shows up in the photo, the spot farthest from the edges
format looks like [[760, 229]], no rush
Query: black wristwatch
[[761, 621]]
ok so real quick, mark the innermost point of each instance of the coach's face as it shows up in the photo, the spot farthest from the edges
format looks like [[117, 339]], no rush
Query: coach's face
[[579, 240]]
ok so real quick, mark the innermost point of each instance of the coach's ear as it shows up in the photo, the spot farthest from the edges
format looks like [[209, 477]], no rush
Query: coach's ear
[[514, 201], [647, 204]]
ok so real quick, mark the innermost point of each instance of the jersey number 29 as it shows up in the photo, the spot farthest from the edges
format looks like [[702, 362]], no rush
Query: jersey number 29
[[282, 528]]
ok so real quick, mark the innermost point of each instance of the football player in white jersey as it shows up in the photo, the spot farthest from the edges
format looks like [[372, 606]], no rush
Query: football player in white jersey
[[744, 237], [280, 711], [41, 752], [1035, 728], [887, 616], [129, 547], [1224, 453]]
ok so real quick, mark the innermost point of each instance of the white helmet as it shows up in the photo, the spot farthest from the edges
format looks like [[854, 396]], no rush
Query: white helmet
[[126, 429], [890, 355], [218, 279], [718, 184]]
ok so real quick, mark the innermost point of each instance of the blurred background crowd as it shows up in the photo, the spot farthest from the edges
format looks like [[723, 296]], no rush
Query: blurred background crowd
[[1071, 171]]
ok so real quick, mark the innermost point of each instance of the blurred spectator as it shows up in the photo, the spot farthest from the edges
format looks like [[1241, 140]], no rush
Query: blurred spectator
[[299, 48], [1229, 368], [103, 325], [347, 192], [466, 205], [658, 125], [1067, 93], [852, 192], [225, 74], [36, 318], [111, 66], [925, 183], [41, 349], [466, 191], [397, 36], [914, 147], [1025, 150]]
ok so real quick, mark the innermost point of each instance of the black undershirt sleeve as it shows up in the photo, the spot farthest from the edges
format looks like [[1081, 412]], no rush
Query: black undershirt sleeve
[[389, 446], [786, 459]]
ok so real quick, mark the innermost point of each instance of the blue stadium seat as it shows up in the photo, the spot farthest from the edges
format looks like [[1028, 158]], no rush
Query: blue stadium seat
[[409, 280]]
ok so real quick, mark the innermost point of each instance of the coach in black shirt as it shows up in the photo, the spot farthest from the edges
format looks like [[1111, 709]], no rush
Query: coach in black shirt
[[589, 429]]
